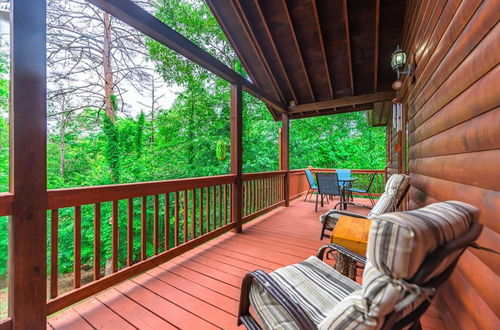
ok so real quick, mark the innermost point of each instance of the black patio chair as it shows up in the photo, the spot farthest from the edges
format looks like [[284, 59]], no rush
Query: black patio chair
[[328, 185]]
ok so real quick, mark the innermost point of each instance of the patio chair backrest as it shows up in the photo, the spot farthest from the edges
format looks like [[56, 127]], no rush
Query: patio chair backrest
[[395, 189], [328, 183], [409, 255], [343, 174], [310, 178]]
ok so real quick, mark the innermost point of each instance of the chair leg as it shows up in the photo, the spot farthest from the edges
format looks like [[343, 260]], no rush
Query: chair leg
[[316, 206], [307, 193], [371, 199]]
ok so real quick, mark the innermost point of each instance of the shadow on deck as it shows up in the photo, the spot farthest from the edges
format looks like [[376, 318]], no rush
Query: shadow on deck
[[200, 289]]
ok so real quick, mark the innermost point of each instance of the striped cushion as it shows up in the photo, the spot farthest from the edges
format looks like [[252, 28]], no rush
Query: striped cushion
[[349, 314], [394, 188], [312, 284], [399, 242]]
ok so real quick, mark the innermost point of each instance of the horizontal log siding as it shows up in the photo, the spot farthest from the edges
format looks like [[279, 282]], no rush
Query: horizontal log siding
[[454, 138]]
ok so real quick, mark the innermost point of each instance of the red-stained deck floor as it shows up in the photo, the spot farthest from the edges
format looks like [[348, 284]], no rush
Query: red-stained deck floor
[[200, 289]]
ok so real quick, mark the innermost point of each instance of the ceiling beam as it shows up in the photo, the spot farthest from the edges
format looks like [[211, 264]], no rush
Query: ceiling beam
[[296, 42], [343, 102], [275, 49], [247, 28], [348, 42], [326, 112], [377, 26], [322, 45], [141, 20]]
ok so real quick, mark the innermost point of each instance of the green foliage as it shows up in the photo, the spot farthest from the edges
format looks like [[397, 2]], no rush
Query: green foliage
[[221, 150], [139, 134], [112, 151], [98, 151]]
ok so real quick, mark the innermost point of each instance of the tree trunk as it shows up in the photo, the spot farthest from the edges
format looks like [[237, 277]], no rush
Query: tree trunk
[[62, 149], [346, 266], [152, 112], [106, 63]]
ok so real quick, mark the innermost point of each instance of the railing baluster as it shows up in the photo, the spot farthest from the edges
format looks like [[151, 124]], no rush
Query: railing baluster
[[97, 241], [156, 224], [186, 234], [77, 243], [54, 262], [255, 196], [208, 210], [114, 237], [225, 205], [231, 201], [193, 213], [219, 188], [201, 211], [214, 207], [167, 221], [144, 215], [130, 232], [176, 215]]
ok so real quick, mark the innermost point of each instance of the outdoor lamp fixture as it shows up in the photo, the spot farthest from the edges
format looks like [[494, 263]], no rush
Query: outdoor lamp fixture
[[398, 61]]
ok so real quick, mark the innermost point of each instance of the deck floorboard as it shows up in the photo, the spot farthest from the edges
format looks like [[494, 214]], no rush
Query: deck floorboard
[[200, 289]]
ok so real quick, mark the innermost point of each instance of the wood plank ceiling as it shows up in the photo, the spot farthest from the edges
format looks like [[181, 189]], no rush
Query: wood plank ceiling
[[316, 52]]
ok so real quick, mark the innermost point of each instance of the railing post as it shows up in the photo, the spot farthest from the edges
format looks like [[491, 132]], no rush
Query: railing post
[[236, 155], [28, 180], [284, 155]]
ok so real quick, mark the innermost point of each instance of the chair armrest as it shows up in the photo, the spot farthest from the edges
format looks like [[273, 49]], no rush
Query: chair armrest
[[354, 215], [335, 247], [292, 308]]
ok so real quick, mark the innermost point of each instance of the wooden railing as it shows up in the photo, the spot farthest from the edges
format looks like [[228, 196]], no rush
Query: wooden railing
[[130, 228], [262, 192], [146, 224]]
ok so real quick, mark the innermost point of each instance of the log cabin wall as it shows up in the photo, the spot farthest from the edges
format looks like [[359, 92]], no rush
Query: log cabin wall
[[454, 137]]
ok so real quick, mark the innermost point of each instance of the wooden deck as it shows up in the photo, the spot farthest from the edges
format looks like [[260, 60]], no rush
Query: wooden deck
[[200, 289]]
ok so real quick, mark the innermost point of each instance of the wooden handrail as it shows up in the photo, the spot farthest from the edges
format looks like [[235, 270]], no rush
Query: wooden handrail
[[6, 203], [262, 175], [59, 198]]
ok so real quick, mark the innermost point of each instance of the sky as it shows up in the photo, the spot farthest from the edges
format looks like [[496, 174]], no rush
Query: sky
[[135, 101]]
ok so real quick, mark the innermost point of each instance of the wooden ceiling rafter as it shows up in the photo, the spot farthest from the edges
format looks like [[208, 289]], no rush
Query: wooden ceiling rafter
[[377, 26], [301, 40], [297, 46], [332, 111], [343, 102], [322, 46], [345, 14], [275, 49], [247, 28]]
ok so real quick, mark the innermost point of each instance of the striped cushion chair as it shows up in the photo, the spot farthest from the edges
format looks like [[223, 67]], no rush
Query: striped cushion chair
[[395, 190], [409, 255]]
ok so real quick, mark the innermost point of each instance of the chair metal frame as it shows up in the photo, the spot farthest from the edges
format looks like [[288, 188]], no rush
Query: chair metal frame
[[311, 182], [365, 191], [393, 320]]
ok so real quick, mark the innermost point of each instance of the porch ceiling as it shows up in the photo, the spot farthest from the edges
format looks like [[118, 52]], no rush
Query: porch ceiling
[[312, 52]]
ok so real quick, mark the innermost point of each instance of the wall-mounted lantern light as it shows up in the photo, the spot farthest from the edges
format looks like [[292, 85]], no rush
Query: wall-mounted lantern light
[[398, 61]]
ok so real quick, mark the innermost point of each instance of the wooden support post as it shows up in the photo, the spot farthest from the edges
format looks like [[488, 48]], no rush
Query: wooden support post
[[284, 155], [28, 180], [236, 155]]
